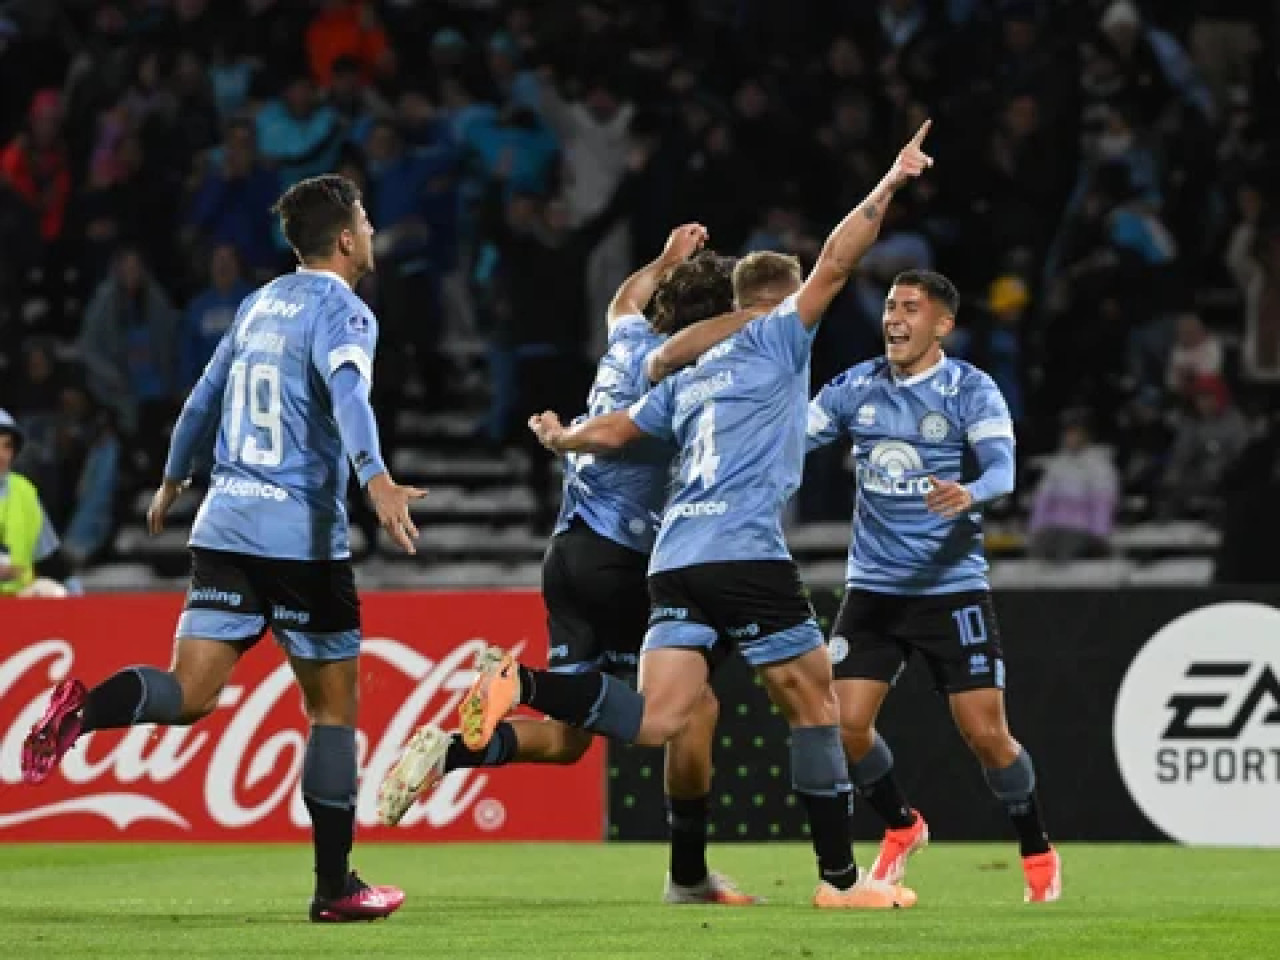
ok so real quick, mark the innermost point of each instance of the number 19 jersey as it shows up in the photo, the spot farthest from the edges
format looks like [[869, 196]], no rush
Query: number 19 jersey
[[280, 472], [738, 419]]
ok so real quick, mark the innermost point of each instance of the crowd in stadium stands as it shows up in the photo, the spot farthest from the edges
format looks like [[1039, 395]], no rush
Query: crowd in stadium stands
[[1103, 198]]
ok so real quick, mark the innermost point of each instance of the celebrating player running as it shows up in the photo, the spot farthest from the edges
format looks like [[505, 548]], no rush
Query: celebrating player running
[[288, 393], [721, 577]]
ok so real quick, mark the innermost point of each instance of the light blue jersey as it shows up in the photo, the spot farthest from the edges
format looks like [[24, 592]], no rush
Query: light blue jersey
[[620, 496], [279, 482], [903, 432], [738, 420]]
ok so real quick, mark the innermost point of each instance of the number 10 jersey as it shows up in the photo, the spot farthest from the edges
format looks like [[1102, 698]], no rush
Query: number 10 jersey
[[280, 474]]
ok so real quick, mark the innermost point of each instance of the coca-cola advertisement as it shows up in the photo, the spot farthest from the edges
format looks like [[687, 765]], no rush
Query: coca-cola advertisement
[[234, 776]]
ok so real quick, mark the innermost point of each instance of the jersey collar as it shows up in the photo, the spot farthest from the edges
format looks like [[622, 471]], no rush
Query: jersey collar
[[920, 377], [324, 273]]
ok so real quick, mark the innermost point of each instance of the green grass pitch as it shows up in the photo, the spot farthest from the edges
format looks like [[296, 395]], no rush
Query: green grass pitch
[[524, 901]]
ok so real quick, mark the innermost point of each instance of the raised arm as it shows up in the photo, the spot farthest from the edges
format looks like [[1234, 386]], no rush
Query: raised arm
[[693, 341], [638, 289], [855, 234]]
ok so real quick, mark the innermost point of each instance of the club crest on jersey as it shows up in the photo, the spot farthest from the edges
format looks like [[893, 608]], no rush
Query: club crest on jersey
[[934, 427], [866, 415]]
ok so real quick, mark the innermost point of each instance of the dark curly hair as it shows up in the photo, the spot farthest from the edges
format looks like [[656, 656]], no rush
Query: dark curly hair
[[697, 289]]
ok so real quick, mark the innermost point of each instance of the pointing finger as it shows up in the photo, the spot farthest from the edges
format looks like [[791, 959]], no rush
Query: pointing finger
[[921, 133]]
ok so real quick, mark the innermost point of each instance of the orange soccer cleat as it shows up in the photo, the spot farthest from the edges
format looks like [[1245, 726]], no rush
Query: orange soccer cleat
[[896, 848], [493, 695], [1044, 877], [866, 894]]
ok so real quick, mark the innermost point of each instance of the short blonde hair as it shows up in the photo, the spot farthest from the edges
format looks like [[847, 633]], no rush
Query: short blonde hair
[[765, 275]]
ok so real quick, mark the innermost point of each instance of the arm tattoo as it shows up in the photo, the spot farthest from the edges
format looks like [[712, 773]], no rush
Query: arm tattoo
[[871, 211]]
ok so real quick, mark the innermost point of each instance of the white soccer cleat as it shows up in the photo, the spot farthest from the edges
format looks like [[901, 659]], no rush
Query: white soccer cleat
[[415, 774], [715, 889]]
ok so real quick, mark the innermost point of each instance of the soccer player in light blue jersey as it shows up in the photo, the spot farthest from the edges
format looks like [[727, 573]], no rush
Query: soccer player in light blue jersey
[[721, 577], [932, 445], [287, 395], [593, 575]]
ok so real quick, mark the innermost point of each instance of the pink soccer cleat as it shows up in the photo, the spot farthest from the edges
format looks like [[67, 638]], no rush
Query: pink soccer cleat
[[359, 902], [55, 734]]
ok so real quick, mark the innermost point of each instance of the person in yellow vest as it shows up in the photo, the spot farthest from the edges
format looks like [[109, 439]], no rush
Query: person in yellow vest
[[31, 558]]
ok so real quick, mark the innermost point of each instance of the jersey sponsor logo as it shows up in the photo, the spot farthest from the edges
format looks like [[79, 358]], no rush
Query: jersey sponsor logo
[[212, 595], [837, 648], [705, 508], [716, 352], [281, 613], [358, 323], [866, 414], [743, 633], [248, 489], [1197, 726], [888, 470], [934, 427], [946, 389], [263, 342], [668, 613], [700, 391]]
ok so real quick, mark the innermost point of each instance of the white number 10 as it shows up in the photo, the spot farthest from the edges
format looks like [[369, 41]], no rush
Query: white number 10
[[258, 387], [703, 462]]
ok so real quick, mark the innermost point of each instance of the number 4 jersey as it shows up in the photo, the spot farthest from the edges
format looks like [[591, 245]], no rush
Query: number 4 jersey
[[280, 473], [738, 419]]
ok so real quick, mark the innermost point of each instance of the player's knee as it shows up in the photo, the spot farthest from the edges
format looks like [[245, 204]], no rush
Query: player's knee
[[803, 700], [858, 737], [706, 712], [568, 745], [197, 704], [991, 743]]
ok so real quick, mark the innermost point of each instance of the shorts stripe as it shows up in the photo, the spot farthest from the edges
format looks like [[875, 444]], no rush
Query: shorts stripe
[[341, 645], [784, 645], [220, 625]]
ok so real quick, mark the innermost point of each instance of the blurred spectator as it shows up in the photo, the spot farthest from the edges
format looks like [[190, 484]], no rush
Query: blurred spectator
[[127, 345], [209, 315], [357, 104], [517, 87], [298, 134], [593, 131], [1146, 441], [1196, 353], [232, 204], [1253, 258], [1074, 507], [412, 204], [36, 166], [92, 516], [348, 29], [1155, 64], [1209, 438], [991, 338]]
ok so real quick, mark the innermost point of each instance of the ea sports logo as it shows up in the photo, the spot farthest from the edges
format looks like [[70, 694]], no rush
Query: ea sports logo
[[1197, 726], [895, 458]]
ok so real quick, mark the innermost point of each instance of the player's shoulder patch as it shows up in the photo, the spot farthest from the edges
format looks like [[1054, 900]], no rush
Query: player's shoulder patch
[[358, 324]]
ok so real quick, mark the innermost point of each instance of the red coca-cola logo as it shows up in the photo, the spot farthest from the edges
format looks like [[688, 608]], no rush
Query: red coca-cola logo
[[235, 775]]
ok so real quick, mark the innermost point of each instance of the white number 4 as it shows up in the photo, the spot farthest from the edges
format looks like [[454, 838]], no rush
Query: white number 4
[[703, 462], [257, 387]]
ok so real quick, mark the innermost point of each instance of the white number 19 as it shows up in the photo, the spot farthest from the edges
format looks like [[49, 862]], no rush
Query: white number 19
[[257, 387]]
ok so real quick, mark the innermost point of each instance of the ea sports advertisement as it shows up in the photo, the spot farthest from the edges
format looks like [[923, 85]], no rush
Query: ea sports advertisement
[[234, 776]]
